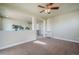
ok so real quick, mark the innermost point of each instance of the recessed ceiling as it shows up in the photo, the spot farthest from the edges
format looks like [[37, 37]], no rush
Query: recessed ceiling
[[32, 9]]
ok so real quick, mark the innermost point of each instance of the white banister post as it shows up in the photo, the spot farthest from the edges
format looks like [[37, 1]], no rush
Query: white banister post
[[44, 27], [33, 23]]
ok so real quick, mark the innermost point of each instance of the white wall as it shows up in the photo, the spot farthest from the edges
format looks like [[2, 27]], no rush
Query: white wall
[[0, 24], [9, 39], [65, 26]]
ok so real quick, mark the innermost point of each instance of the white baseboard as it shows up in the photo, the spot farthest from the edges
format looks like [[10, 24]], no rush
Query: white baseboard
[[12, 45], [60, 38]]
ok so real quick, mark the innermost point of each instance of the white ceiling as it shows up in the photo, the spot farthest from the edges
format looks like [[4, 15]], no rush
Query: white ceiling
[[32, 9]]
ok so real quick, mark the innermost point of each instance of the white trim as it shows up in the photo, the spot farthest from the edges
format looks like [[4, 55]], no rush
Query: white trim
[[60, 38], [12, 45]]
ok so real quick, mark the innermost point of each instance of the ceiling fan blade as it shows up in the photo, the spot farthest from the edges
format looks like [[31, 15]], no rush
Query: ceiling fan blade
[[41, 6], [55, 8], [42, 11]]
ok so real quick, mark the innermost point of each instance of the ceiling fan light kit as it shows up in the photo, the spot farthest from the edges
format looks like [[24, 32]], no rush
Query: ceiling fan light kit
[[48, 11], [48, 7]]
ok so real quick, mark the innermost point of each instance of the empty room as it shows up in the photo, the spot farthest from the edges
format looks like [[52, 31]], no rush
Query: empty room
[[39, 28]]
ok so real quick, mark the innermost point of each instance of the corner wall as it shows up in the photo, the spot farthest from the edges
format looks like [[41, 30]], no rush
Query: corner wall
[[65, 26]]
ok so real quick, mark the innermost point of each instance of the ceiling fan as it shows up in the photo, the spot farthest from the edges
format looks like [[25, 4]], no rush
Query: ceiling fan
[[48, 7]]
